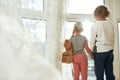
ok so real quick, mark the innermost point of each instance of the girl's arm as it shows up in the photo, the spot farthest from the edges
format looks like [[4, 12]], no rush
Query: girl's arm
[[88, 50]]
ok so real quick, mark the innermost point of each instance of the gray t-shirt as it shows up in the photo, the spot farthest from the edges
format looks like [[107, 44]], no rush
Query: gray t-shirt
[[78, 44]]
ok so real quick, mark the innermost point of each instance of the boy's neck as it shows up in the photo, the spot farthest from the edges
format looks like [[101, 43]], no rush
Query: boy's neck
[[99, 18]]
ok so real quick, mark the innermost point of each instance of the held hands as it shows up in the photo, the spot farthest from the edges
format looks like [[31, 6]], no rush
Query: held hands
[[91, 56]]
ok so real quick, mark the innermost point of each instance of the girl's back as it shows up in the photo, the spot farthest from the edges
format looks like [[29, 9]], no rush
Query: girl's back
[[78, 44]]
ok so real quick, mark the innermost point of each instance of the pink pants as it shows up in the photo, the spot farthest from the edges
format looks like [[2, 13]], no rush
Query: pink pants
[[80, 64]]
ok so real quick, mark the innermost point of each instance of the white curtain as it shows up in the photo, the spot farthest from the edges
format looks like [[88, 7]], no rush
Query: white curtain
[[19, 60], [27, 62], [55, 30]]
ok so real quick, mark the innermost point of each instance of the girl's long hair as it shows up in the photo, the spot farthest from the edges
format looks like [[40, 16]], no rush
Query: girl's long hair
[[77, 28]]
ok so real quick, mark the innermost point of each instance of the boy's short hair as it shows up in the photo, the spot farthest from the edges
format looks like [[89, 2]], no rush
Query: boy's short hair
[[101, 11]]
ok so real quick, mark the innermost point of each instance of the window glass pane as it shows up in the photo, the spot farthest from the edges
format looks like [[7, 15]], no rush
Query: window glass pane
[[83, 6], [37, 33], [86, 32], [69, 29], [33, 4]]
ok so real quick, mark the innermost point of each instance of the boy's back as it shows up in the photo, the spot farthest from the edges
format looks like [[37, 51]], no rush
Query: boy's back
[[104, 34]]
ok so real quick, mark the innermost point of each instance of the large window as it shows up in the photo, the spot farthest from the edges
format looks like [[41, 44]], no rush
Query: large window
[[37, 33], [82, 10], [83, 6], [77, 10], [35, 23]]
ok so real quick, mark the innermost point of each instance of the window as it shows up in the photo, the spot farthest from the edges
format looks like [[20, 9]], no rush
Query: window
[[82, 10], [37, 33], [68, 29], [83, 6], [33, 4]]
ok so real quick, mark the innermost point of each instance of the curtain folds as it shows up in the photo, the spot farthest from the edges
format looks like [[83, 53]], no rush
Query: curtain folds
[[19, 59], [55, 22], [55, 31]]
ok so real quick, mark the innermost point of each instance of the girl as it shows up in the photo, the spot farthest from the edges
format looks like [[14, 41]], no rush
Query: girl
[[102, 32], [80, 61]]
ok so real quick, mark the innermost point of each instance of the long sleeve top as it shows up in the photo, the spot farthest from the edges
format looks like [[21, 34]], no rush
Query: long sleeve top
[[103, 33]]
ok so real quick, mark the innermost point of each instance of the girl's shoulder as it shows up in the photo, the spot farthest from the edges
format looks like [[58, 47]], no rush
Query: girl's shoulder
[[82, 37]]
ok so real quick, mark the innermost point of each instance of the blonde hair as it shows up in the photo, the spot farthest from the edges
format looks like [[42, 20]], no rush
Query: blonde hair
[[77, 27], [101, 11]]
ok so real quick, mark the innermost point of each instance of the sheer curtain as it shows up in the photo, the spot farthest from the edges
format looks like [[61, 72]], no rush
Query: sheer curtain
[[55, 20], [19, 60], [55, 30]]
